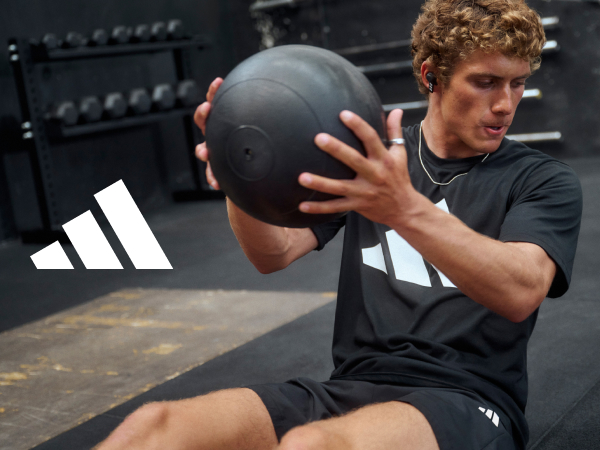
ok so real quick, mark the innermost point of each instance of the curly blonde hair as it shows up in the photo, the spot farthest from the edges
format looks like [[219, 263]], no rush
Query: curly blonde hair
[[448, 31]]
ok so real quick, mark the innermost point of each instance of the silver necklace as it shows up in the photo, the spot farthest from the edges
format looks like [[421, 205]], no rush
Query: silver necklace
[[423, 165]]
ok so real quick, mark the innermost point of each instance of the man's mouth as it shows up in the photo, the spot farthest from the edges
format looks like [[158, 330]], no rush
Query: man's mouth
[[494, 130]]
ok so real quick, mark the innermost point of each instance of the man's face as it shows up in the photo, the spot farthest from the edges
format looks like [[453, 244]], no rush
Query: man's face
[[479, 102]]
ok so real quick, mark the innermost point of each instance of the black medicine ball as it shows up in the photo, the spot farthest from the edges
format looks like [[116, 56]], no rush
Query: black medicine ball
[[263, 122]]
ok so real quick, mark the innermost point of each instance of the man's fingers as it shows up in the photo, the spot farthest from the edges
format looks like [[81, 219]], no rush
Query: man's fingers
[[213, 88], [341, 188], [201, 115], [328, 207], [322, 184], [340, 151], [202, 155], [210, 177], [202, 152], [203, 110], [365, 132], [394, 124]]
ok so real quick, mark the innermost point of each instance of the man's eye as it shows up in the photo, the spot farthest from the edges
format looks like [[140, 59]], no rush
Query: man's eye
[[485, 84]]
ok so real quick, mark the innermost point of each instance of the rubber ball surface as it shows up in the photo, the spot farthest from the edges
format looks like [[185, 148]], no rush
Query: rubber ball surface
[[263, 122]]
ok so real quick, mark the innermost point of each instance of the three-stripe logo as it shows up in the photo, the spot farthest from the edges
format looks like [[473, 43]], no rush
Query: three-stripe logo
[[491, 415], [92, 246]]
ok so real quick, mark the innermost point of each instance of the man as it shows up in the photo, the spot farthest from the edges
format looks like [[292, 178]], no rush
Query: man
[[455, 237]]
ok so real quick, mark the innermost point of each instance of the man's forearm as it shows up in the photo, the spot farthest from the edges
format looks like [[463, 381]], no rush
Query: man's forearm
[[269, 248], [511, 279]]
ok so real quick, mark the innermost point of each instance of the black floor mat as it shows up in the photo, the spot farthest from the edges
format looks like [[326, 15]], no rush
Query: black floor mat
[[578, 429]]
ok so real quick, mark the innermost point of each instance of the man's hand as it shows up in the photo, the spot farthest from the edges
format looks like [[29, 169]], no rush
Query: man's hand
[[382, 190], [200, 117]]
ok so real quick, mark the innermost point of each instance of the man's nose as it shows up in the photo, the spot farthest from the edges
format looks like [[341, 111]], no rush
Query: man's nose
[[504, 102]]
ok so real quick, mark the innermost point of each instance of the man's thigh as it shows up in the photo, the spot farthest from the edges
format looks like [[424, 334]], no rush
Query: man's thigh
[[459, 419], [228, 419], [383, 426]]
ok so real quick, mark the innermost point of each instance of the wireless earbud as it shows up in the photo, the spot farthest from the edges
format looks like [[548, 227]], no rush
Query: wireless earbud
[[432, 80]]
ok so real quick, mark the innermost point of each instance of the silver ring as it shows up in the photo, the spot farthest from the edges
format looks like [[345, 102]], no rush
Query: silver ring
[[397, 141]]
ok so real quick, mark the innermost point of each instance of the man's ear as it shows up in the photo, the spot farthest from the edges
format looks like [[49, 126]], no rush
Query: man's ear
[[428, 76]]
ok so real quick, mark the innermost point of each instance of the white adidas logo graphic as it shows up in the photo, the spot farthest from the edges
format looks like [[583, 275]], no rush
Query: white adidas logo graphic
[[408, 264], [491, 415], [92, 246]]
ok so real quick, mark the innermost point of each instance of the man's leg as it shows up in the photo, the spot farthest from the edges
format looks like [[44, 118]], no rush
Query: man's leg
[[228, 419], [383, 426]]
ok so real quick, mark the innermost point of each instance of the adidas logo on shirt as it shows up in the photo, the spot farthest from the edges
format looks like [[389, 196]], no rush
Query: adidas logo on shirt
[[408, 264], [491, 415]]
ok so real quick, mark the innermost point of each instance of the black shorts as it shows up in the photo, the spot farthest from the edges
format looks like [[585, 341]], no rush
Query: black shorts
[[460, 419]]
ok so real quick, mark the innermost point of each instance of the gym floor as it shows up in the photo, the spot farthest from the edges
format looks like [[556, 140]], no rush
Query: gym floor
[[80, 349]]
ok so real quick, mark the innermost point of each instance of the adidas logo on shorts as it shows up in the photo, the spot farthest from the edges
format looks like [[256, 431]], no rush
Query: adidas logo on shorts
[[491, 415]]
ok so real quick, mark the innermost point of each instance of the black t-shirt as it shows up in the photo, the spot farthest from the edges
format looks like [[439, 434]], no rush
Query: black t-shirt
[[400, 320]]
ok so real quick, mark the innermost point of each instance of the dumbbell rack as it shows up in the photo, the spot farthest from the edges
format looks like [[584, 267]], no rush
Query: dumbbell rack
[[39, 132]]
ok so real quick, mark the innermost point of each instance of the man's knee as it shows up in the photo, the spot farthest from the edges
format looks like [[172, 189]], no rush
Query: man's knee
[[306, 437], [141, 423], [153, 414]]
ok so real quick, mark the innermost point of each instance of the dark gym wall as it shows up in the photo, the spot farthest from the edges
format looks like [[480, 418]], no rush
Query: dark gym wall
[[154, 160], [569, 78]]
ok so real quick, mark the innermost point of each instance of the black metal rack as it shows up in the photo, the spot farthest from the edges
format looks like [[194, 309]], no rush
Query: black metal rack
[[41, 54], [39, 132], [56, 130]]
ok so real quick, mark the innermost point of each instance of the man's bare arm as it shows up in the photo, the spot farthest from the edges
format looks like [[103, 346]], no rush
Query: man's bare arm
[[269, 248], [510, 278]]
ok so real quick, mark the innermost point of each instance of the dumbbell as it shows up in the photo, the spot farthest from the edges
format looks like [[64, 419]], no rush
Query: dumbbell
[[188, 93], [139, 101], [141, 33], [120, 35], [74, 40], [90, 109], [163, 97], [158, 31], [50, 41], [65, 112], [175, 29], [99, 37], [115, 105]]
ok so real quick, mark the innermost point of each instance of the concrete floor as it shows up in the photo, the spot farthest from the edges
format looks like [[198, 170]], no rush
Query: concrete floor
[[60, 371]]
